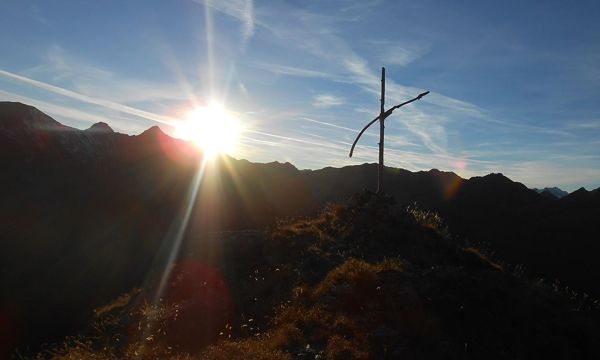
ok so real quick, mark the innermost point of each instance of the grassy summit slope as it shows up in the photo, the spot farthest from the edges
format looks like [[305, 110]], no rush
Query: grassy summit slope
[[364, 280]]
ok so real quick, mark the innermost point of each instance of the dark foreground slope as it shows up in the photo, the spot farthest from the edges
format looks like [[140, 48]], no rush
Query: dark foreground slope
[[364, 280]]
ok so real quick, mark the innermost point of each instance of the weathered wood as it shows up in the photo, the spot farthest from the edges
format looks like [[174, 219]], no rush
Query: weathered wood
[[360, 133], [387, 113], [382, 116], [381, 134]]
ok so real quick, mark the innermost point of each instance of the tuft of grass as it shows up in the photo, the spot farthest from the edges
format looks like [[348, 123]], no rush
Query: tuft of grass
[[242, 350], [311, 321], [429, 219], [118, 304], [358, 276], [286, 336]]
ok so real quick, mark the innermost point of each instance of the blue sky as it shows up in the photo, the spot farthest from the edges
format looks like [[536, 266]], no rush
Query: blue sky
[[515, 86]]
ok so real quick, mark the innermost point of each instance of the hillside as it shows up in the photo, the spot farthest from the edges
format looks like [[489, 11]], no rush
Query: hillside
[[89, 214], [364, 280]]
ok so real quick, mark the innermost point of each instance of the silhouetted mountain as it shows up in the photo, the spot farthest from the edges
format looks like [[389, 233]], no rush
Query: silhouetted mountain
[[580, 194], [22, 120], [553, 191], [89, 214]]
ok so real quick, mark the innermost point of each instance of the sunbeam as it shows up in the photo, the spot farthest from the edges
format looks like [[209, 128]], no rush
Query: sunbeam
[[179, 227], [173, 240], [209, 48]]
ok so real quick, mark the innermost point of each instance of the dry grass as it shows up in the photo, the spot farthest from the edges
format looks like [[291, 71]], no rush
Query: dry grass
[[76, 349], [311, 321], [242, 350], [481, 255], [429, 219], [285, 336], [339, 348], [358, 275], [119, 303]]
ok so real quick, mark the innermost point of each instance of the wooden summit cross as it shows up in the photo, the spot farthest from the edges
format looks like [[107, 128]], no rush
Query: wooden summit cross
[[382, 115]]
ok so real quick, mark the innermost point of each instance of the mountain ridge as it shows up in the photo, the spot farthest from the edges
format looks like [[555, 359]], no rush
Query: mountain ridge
[[142, 183], [155, 129]]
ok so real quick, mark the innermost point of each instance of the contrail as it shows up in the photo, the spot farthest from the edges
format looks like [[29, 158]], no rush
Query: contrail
[[293, 139], [100, 102], [328, 124]]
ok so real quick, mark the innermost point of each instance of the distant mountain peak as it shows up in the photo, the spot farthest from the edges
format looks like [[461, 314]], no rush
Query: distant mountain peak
[[494, 178], [286, 164], [438, 172], [25, 115], [15, 105], [553, 191], [16, 115], [496, 175], [100, 127], [154, 130], [547, 194]]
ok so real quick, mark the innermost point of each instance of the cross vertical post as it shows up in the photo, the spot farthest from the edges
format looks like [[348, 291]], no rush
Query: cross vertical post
[[381, 134], [383, 114]]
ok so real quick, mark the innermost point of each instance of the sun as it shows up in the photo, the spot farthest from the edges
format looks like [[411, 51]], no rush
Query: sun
[[212, 128]]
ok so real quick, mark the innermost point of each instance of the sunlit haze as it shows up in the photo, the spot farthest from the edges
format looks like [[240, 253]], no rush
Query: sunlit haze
[[514, 85]]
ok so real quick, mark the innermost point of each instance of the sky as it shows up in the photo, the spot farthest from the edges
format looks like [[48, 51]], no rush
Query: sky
[[514, 86]]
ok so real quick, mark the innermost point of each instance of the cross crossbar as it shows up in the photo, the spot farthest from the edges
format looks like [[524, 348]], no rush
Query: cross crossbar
[[382, 116], [385, 115]]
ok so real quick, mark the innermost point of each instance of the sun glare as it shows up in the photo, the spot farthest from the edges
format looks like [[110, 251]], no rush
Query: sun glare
[[212, 128]]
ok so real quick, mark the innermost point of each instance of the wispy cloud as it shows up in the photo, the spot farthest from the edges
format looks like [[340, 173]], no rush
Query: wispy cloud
[[296, 71], [587, 125], [243, 10], [311, 35], [398, 55], [60, 67], [360, 6], [395, 53], [429, 130], [244, 90], [425, 125], [328, 100]]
